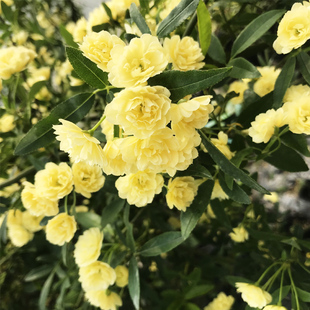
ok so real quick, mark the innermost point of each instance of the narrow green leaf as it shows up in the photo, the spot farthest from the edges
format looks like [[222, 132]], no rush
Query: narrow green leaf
[[129, 237], [86, 69], [67, 36], [144, 5], [181, 84], [196, 170], [303, 295], [38, 273], [108, 10], [293, 242], [264, 235], [3, 236], [198, 290], [138, 19], [35, 88], [255, 30], [276, 293], [41, 134], [88, 219], [134, 282], [190, 306], [283, 82], [216, 50], [110, 212], [297, 142], [162, 243], [220, 213], [304, 65], [243, 69], [7, 11], [189, 219], [176, 17], [204, 27], [228, 167], [45, 291]]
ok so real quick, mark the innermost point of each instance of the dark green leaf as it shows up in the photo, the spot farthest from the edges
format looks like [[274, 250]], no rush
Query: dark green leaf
[[35, 88], [64, 254], [138, 19], [144, 6], [243, 69], [204, 27], [232, 280], [276, 294], [293, 242], [303, 295], [108, 10], [190, 306], [255, 30], [263, 235], [129, 237], [197, 170], [86, 69], [176, 17], [297, 142], [162, 243], [110, 212], [189, 219], [229, 168], [41, 134], [198, 291], [181, 83], [67, 36], [216, 50], [7, 11], [304, 243], [88, 219], [220, 213], [134, 282], [304, 65], [38, 273], [45, 291], [283, 82], [3, 236]]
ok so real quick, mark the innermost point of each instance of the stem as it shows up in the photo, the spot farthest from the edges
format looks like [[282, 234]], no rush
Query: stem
[[73, 204], [265, 272], [14, 92], [303, 267], [267, 286], [91, 131], [18, 177], [281, 287], [191, 25], [294, 288], [66, 204]]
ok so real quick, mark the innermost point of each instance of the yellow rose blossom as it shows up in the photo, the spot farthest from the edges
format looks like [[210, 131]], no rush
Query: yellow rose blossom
[[295, 91], [20, 37], [87, 179], [262, 128], [134, 64], [181, 192], [140, 110], [1, 86], [265, 84], [238, 87], [54, 181], [294, 28], [239, 234], [139, 188], [19, 235], [97, 47], [184, 54], [80, 146], [80, 30], [88, 246], [297, 114], [221, 144], [107, 129], [38, 74], [60, 229], [7, 122], [14, 59], [169, 6], [104, 299], [14, 217], [253, 295], [31, 222], [36, 204], [274, 307], [96, 17], [44, 94], [218, 192], [121, 275], [97, 276], [221, 302], [8, 190]]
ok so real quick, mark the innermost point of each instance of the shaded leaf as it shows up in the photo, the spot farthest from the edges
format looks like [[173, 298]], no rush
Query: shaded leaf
[[144, 5], [35, 88], [110, 212], [293, 242], [204, 27], [196, 170], [3, 235], [67, 36], [38, 273], [216, 50], [134, 282], [276, 293], [232, 280], [138, 19], [45, 291], [264, 235], [297, 142], [220, 213], [88, 219], [129, 237], [7, 11], [198, 290], [108, 10], [304, 65], [303, 295], [243, 69]]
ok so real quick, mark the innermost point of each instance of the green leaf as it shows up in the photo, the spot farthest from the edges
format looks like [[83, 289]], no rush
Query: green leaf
[[38, 273], [198, 290], [189, 219], [162, 243], [228, 167], [86, 69], [138, 19], [196, 170], [264, 235], [204, 27], [297, 142], [304, 65], [45, 291], [243, 69], [190, 306], [88, 219], [216, 50], [35, 88], [176, 17], [129, 237], [108, 10], [232, 280], [181, 84], [3, 236], [67, 36], [134, 282], [220, 213], [255, 30], [41, 134], [7, 11], [303, 295], [283, 82], [144, 6], [293, 242], [276, 293], [110, 212]]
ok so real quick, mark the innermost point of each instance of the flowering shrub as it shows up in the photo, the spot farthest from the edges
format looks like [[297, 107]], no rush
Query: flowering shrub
[[131, 143]]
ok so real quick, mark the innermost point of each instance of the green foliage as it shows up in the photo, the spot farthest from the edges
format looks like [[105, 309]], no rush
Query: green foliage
[[204, 27]]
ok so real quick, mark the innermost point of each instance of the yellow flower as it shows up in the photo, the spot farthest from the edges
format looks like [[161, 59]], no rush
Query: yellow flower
[[218, 192], [97, 47], [239, 234], [184, 54], [20, 37], [60, 229], [80, 30], [273, 307], [139, 188], [297, 114], [221, 302], [133, 64], [19, 235], [96, 17], [265, 84], [55, 181], [274, 197], [294, 28], [221, 144], [97, 276], [181, 192], [262, 128], [31, 222], [80, 146], [36, 204], [253, 295], [14, 217], [106, 300], [1, 86], [87, 179], [140, 110], [7, 123], [38, 74], [295, 91], [238, 87], [121, 275], [14, 59], [88, 246], [169, 6]]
